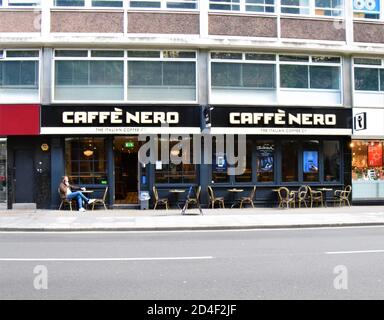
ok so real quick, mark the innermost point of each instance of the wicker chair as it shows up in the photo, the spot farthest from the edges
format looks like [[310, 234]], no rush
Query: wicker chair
[[213, 199], [315, 197], [342, 196], [249, 199], [302, 195], [285, 197], [158, 200], [101, 201], [193, 201], [64, 201]]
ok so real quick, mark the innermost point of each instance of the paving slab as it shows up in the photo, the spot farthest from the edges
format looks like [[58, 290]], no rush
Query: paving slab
[[147, 220]]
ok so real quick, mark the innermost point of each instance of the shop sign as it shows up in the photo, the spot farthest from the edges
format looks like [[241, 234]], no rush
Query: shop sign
[[281, 120], [120, 119], [368, 122]]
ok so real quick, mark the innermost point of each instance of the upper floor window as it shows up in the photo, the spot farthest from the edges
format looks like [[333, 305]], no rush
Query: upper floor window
[[19, 75], [243, 5], [369, 74], [310, 72], [333, 8], [89, 3], [366, 9], [140, 4], [243, 70], [19, 3], [101, 75], [164, 4], [267, 78]]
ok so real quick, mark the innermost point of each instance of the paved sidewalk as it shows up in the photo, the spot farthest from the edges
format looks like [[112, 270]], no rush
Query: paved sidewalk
[[129, 220]]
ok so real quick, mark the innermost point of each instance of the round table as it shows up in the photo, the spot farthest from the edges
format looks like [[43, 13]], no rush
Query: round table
[[324, 194], [234, 191], [176, 193]]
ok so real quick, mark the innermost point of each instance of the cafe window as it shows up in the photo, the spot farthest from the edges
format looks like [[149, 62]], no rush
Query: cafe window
[[245, 161], [85, 160], [265, 161], [367, 169], [19, 75], [289, 161], [183, 172], [331, 156], [311, 161]]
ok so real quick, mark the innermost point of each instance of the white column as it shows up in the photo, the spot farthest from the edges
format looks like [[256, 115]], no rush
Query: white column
[[204, 8]]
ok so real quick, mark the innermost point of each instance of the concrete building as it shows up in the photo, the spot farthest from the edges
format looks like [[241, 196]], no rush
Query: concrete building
[[290, 74]]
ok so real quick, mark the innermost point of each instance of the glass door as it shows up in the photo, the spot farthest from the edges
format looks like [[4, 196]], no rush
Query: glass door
[[126, 169]]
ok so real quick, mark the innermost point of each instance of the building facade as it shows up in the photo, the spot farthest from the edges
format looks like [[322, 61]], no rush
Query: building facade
[[81, 81]]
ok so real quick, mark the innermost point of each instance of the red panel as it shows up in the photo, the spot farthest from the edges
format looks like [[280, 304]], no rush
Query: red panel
[[19, 120], [375, 154]]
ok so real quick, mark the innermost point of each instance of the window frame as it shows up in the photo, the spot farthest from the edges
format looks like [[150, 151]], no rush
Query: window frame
[[367, 66], [40, 67], [381, 14], [242, 7], [243, 60], [277, 166], [278, 9], [310, 63], [278, 88], [6, 5], [125, 60], [126, 4]]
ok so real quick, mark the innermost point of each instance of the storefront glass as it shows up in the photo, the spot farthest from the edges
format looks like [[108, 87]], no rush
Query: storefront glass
[[247, 163], [311, 161], [289, 161], [265, 161], [183, 172], [3, 172], [331, 153], [367, 169], [85, 160]]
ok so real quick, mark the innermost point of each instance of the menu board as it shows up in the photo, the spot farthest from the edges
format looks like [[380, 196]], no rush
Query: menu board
[[265, 157]]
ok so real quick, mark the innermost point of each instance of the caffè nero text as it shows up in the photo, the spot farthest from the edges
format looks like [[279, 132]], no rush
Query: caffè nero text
[[118, 116], [282, 118]]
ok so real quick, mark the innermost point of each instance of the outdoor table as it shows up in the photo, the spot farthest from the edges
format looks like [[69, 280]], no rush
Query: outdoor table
[[176, 193], [233, 192], [324, 194]]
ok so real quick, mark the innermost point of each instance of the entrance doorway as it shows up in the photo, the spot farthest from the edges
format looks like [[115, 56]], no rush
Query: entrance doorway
[[24, 179], [126, 150]]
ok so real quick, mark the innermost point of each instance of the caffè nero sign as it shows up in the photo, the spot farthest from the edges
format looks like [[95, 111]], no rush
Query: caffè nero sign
[[289, 120], [119, 120]]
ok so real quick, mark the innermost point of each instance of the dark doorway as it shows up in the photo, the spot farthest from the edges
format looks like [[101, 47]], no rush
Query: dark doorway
[[24, 176], [126, 170]]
